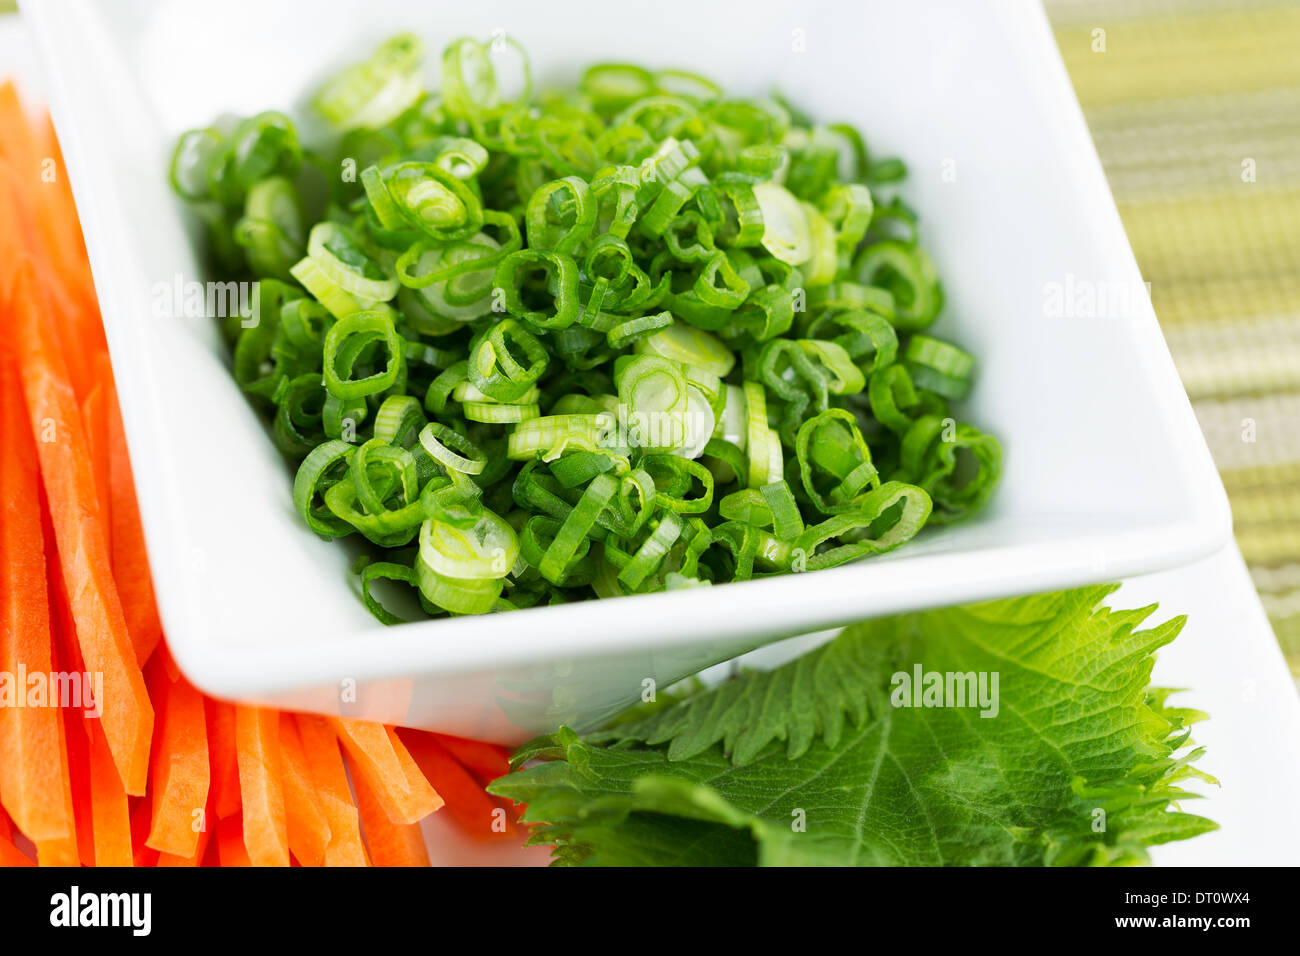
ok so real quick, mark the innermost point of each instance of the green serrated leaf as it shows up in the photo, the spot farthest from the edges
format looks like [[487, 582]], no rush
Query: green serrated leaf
[[813, 764]]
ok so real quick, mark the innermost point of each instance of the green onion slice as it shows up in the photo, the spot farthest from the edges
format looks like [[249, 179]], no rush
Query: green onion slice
[[484, 551]]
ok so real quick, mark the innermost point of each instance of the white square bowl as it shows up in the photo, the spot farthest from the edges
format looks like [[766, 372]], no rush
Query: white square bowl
[[1106, 471]]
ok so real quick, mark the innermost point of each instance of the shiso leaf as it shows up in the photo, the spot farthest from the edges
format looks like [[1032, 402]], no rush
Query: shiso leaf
[[811, 764]]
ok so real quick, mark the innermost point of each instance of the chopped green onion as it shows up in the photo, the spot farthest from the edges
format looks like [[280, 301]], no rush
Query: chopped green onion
[[345, 342], [939, 366], [539, 348], [486, 550], [376, 92], [787, 233]]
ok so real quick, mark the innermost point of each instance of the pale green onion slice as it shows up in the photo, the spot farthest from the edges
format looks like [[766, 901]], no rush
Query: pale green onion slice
[[486, 550], [457, 595], [690, 346], [756, 435], [452, 450], [654, 394], [375, 92], [552, 435], [787, 233], [733, 423]]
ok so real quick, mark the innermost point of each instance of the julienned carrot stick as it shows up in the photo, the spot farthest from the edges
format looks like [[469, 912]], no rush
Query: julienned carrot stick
[[209, 820], [309, 833], [79, 774], [19, 235], [230, 842], [257, 741], [334, 796], [226, 800], [63, 230], [10, 855], [67, 328], [48, 218], [17, 145], [424, 798], [384, 761], [486, 761], [467, 802], [35, 172], [180, 776], [110, 809], [141, 817], [63, 850], [33, 776], [93, 413], [369, 745], [102, 810], [65, 658], [126, 537], [389, 843], [74, 511], [73, 502]]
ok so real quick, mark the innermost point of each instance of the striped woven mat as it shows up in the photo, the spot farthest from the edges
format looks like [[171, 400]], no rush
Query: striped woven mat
[[1195, 110]]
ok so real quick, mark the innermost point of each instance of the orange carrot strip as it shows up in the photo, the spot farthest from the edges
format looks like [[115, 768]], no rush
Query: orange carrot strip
[[102, 809], [230, 842], [60, 853], [17, 145], [19, 234], [79, 774], [181, 773], [382, 758], [10, 855], [468, 804], [389, 843], [425, 799], [65, 658], [82, 805], [110, 809], [103, 813], [70, 491], [141, 817], [64, 850], [257, 740], [201, 850], [33, 775], [309, 833], [32, 167], [48, 224], [370, 746], [62, 229], [130, 561], [334, 796], [486, 761], [68, 326], [226, 800], [94, 414]]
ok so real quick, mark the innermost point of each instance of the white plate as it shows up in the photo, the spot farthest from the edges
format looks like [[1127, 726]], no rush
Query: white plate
[[1107, 474]]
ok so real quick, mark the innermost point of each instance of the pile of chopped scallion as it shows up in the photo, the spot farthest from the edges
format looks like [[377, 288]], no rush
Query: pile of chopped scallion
[[635, 337]]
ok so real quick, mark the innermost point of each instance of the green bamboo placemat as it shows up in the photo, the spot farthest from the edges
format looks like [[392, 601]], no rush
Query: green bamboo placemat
[[1195, 110]]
